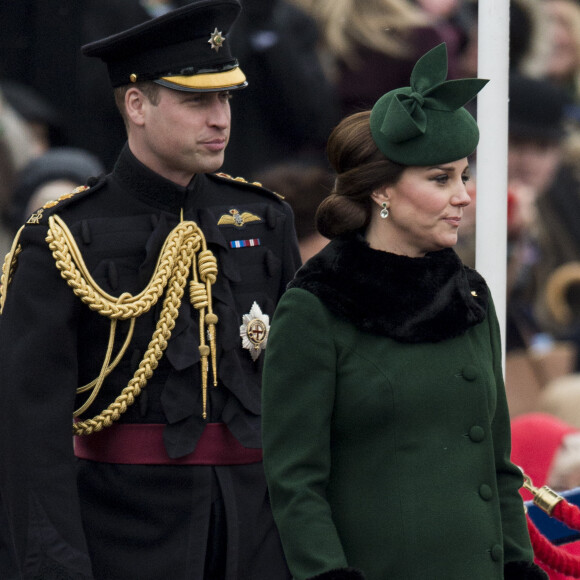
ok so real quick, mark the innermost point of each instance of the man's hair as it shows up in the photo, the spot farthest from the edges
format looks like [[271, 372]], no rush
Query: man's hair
[[148, 88]]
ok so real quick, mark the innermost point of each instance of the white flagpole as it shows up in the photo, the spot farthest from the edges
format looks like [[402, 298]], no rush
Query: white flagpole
[[491, 177]]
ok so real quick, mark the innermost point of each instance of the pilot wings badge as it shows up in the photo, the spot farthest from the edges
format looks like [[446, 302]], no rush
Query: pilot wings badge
[[254, 331], [237, 219]]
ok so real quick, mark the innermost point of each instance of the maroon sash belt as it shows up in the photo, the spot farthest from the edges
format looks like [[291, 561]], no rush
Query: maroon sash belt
[[143, 444]]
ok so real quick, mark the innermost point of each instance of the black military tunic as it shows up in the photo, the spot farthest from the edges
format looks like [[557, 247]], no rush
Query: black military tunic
[[80, 518]]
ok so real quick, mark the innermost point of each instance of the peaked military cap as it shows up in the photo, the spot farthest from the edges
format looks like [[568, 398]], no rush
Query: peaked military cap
[[185, 49], [426, 123]]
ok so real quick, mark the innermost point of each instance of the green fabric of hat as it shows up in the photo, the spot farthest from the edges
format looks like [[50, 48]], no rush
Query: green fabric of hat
[[426, 123]]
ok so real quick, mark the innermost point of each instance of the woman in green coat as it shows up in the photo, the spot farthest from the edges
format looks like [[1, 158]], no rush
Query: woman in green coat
[[385, 423]]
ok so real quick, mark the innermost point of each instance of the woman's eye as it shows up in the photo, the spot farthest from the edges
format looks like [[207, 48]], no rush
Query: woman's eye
[[465, 178], [442, 179]]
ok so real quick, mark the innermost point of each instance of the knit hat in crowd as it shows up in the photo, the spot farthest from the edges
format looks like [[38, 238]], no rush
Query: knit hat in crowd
[[59, 163]]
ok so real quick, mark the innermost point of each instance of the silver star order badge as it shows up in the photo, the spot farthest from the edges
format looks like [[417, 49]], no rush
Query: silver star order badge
[[254, 331], [216, 40]]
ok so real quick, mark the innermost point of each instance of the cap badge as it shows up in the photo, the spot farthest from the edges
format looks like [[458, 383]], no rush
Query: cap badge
[[216, 40], [237, 219], [254, 331]]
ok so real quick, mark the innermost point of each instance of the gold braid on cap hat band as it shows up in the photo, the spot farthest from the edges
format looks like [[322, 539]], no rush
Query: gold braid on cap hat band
[[184, 251]]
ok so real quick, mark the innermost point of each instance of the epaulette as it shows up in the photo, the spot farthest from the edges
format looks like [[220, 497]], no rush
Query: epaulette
[[38, 216], [241, 180]]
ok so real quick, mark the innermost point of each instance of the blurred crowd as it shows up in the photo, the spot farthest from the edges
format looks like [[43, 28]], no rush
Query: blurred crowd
[[309, 63]]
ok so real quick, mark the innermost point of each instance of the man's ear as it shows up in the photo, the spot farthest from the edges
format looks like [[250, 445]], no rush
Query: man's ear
[[135, 102]]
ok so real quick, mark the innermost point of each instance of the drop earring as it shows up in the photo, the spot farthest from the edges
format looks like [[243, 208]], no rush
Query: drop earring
[[384, 211]]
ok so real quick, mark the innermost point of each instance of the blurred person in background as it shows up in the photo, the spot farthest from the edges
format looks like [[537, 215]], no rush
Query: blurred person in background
[[370, 46], [562, 65], [527, 36], [42, 119], [17, 147], [39, 46], [544, 186], [46, 178], [535, 163], [303, 186], [547, 449], [291, 107], [446, 15]]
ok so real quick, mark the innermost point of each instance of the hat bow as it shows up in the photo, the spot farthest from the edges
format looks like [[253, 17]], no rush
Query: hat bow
[[405, 117]]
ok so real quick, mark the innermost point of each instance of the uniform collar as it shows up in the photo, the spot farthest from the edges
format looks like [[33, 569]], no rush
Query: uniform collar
[[148, 186]]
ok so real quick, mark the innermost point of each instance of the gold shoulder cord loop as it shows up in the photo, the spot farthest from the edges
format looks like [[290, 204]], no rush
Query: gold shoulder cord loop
[[177, 257], [96, 385]]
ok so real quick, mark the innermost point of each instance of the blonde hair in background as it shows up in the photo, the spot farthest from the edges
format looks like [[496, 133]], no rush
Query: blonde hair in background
[[380, 25], [564, 13], [534, 63]]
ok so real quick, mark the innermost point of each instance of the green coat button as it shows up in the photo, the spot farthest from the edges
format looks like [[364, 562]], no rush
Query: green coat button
[[477, 434], [496, 553], [485, 492], [469, 372]]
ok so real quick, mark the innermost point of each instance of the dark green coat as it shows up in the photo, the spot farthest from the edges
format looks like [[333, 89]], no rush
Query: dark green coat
[[390, 455]]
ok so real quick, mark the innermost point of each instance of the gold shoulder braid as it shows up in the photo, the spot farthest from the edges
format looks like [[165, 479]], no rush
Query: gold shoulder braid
[[8, 268], [242, 180], [11, 258], [184, 252]]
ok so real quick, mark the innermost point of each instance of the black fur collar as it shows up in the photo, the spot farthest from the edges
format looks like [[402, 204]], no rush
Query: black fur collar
[[409, 299]]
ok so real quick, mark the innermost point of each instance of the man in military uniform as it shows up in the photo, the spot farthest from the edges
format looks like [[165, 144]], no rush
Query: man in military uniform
[[140, 305]]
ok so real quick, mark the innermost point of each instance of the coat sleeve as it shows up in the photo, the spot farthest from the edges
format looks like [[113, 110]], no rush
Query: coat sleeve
[[38, 378], [292, 260], [517, 546], [298, 392]]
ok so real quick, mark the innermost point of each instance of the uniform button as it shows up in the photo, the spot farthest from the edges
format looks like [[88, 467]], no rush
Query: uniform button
[[469, 372], [485, 492], [496, 553], [477, 434]]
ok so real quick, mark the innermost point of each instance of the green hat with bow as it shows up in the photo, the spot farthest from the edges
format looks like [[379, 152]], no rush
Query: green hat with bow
[[426, 123]]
